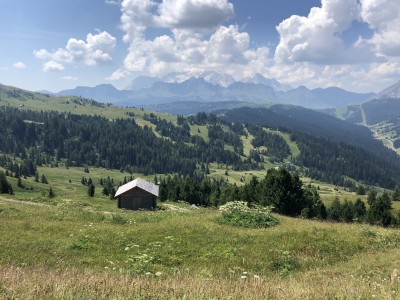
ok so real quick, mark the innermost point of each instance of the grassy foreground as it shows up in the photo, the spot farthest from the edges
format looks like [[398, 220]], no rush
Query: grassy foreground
[[66, 250]]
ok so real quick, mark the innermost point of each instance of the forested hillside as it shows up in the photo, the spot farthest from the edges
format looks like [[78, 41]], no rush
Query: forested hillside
[[330, 149], [44, 129], [96, 141]]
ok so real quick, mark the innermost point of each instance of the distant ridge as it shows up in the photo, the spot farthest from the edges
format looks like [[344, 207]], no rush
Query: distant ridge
[[257, 90], [391, 92], [142, 82]]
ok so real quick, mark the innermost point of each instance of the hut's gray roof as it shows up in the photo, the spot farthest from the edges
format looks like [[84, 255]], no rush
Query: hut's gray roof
[[138, 183]]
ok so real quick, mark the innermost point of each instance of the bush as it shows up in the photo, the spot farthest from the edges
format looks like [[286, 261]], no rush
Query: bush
[[286, 263], [237, 213]]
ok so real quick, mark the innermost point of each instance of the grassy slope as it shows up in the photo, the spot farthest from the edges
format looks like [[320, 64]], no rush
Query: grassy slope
[[294, 149], [77, 247], [48, 246]]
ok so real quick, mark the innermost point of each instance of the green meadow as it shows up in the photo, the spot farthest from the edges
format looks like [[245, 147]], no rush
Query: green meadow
[[74, 246], [78, 249]]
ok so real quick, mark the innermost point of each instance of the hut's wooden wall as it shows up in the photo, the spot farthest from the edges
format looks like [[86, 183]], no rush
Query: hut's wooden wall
[[136, 199]]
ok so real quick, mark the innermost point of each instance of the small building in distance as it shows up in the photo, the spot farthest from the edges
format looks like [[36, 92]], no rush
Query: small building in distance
[[137, 194]]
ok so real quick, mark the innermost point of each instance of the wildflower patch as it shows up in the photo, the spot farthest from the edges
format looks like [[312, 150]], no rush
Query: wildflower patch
[[238, 213]]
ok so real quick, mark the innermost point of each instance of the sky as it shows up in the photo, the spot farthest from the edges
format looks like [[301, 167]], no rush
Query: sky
[[55, 45]]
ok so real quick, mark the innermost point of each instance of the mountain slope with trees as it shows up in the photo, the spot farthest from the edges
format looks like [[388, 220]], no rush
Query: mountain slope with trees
[[78, 132]]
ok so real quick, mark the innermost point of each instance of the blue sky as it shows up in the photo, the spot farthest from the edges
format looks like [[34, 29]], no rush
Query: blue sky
[[55, 45]]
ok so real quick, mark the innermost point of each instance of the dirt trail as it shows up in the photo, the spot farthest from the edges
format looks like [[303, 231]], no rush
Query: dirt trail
[[2, 199]]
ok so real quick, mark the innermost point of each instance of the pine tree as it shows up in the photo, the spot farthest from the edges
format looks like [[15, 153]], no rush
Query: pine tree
[[51, 193], [371, 196], [5, 187], [91, 190], [335, 210], [380, 211], [43, 179], [19, 182], [359, 210]]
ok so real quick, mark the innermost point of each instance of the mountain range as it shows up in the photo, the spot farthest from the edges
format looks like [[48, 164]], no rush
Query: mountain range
[[214, 87]]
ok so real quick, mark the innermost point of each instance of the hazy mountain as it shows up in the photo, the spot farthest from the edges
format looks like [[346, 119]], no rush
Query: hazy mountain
[[102, 93], [391, 92], [45, 92], [273, 83], [334, 96], [216, 78], [142, 82], [302, 96], [250, 92], [199, 89], [385, 106]]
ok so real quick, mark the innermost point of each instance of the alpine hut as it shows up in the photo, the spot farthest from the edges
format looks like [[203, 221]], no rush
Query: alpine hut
[[137, 194]]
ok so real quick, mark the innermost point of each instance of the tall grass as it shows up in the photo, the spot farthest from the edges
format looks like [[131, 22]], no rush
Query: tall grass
[[69, 251]]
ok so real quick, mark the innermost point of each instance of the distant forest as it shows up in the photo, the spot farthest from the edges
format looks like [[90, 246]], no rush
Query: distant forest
[[120, 144], [330, 149], [332, 152]]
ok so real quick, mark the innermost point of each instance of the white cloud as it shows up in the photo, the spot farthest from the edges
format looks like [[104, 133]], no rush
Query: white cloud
[[195, 43], [95, 50], [317, 38], [314, 50], [227, 51], [19, 65], [52, 66], [200, 15], [71, 78], [117, 75], [384, 17], [193, 13]]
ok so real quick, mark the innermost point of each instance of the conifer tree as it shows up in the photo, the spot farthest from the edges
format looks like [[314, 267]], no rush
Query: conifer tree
[[51, 193], [44, 179], [91, 190], [5, 187]]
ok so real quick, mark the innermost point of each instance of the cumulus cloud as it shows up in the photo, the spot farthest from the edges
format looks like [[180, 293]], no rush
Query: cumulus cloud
[[19, 65], [314, 50], [318, 38], [384, 18], [196, 40], [137, 15], [227, 50], [52, 66], [193, 13], [95, 50]]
